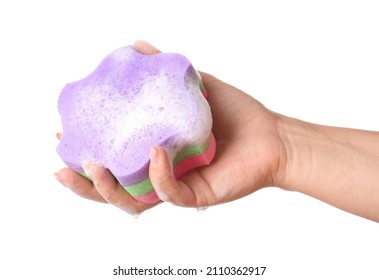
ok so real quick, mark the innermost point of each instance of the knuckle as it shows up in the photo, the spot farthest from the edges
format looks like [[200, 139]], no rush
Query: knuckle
[[167, 188], [107, 192], [167, 183], [134, 208], [80, 190], [109, 196]]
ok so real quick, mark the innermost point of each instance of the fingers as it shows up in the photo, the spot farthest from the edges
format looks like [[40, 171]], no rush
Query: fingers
[[78, 184], [145, 48], [164, 183], [102, 188], [112, 191]]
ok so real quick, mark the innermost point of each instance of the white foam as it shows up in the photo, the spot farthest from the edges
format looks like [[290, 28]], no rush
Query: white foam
[[123, 54], [160, 103]]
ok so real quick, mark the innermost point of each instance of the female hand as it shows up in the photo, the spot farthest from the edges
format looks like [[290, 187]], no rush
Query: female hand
[[249, 155]]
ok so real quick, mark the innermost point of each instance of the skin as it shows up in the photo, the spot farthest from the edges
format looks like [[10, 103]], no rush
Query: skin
[[256, 148]]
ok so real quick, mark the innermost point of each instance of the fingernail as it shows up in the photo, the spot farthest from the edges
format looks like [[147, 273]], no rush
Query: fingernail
[[59, 178], [154, 156]]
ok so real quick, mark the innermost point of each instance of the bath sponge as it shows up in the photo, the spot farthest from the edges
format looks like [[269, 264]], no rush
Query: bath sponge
[[130, 103]]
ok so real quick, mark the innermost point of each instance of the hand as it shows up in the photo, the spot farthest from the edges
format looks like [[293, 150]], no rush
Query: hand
[[250, 155]]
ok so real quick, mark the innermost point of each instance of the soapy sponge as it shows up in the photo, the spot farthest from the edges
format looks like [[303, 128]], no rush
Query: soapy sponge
[[130, 103]]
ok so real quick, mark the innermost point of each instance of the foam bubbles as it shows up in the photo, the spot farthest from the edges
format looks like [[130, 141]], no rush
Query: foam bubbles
[[123, 54], [158, 112]]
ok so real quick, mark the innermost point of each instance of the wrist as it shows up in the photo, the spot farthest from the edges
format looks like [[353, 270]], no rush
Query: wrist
[[296, 161]]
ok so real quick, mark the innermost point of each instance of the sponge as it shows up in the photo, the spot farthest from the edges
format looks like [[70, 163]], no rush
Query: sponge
[[130, 103]]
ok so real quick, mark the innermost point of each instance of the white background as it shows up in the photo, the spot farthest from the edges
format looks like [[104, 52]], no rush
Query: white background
[[313, 60]]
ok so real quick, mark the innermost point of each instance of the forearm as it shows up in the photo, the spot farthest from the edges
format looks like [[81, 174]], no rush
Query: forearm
[[339, 166]]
